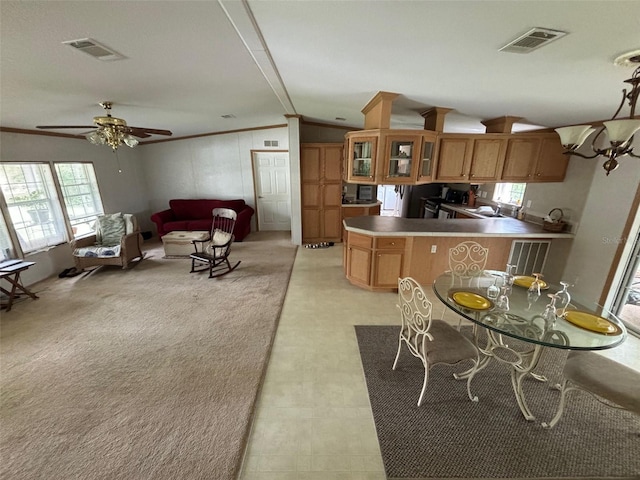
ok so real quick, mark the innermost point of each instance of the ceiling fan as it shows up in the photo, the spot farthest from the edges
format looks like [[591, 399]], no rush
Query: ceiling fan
[[112, 131]]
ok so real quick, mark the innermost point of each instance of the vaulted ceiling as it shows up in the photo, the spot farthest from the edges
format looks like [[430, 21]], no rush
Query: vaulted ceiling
[[189, 63]]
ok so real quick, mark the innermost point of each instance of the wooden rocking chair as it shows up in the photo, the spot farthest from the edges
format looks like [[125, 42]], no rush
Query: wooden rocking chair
[[212, 254]]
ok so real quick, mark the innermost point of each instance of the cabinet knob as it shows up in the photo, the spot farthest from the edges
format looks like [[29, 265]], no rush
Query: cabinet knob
[[538, 174], [393, 243]]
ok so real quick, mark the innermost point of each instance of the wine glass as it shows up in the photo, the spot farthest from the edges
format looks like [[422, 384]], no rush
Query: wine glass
[[493, 290], [563, 298], [549, 314], [502, 303], [509, 277], [533, 292]]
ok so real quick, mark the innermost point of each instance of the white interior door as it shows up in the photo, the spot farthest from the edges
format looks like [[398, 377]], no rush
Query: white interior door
[[273, 197]]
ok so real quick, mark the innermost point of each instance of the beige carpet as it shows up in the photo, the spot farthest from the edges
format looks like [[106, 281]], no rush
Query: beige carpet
[[150, 373]]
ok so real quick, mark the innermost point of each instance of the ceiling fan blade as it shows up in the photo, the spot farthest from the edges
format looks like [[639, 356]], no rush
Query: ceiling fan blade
[[151, 131], [65, 126], [139, 133]]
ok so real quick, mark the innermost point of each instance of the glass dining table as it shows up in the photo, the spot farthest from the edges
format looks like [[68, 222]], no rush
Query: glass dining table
[[579, 326]]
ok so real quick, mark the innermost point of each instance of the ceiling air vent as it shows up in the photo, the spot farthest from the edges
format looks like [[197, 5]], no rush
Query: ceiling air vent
[[533, 39], [93, 48]]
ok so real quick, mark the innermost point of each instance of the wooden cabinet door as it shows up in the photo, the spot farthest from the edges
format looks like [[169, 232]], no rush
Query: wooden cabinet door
[[361, 158], [487, 159], [359, 265], [332, 195], [310, 163], [332, 163], [387, 268], [331, 224], [453, 158], [311, 224], [521, 158], [552, 163], [311, 195]]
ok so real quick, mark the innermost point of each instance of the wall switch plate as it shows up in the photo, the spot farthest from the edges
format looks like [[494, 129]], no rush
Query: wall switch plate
[[528, 203], [484, 194], [434, 248]]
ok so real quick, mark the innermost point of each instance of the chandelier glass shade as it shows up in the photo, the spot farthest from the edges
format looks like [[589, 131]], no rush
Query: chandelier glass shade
[[619, 131], [111, 131]]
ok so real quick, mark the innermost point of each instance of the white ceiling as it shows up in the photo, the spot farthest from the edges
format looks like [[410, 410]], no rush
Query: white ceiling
[[189, 62]]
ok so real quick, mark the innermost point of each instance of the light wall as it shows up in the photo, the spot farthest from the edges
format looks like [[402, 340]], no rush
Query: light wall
[[215, 166], [605, 212]]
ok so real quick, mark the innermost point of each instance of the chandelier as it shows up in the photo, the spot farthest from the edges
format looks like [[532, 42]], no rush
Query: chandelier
[[620, 132], [111, 131]]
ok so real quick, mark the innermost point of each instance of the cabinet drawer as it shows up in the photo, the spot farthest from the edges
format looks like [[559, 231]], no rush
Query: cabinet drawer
[[389, 243], [358, 240]]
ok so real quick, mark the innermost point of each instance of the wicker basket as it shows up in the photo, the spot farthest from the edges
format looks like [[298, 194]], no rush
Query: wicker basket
[[557, 226]]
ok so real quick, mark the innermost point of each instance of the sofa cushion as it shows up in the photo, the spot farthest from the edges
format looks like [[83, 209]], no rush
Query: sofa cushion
[[202, 224], [236, 205], [177, 225]]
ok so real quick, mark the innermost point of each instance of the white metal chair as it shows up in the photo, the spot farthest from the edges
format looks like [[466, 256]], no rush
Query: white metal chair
[[611, 383], [467, 261], [212, 254], [432, 341]]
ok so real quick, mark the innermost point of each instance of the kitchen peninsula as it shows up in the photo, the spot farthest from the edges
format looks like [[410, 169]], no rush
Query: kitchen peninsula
[[378, 250]]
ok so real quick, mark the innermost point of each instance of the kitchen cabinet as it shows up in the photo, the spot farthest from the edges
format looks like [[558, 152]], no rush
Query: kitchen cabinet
[[375, 263], [388, 259], [473, 158], [362, 151], [535, 158], [321, 192], [401, 158], [390, 157], [428, 155]]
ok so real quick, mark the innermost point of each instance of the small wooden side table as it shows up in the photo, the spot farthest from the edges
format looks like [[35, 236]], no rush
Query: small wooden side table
[[10, 271]]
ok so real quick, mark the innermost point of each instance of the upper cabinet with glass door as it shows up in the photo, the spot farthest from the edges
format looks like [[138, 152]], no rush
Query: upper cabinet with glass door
[[361, 158], [426, 169], [401, 158]]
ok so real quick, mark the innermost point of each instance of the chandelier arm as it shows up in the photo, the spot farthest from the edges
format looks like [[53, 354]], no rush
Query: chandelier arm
[[633, 154], [582, 155]]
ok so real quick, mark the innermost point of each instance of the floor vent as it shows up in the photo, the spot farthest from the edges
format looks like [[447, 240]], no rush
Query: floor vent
[[529, 256], [532, 40], [96, 50]]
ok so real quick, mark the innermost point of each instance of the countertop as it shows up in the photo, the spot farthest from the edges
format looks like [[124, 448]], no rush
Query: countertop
[[463, 227], [361, 203]]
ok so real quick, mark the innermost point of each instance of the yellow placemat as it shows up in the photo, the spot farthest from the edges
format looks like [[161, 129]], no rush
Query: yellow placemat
[[471, 300], [592, 322], [526, 281]]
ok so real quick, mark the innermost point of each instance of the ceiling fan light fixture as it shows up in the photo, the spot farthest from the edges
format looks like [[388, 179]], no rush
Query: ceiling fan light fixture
[[130, 141], [95, 138]]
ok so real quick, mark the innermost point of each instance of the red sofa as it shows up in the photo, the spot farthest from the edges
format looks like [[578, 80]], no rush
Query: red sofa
[[195, 214]]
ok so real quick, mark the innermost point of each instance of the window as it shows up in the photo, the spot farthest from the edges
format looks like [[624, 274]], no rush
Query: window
[[6, 248], [35, 210], [511, 193], [33, 205], [81, 196]]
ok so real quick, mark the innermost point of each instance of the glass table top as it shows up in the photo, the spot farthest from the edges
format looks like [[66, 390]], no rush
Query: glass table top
[[582, 326]]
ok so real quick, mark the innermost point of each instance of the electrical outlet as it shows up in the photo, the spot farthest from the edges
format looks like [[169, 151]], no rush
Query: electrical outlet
[[528, 203], [434, 248], [484, 194]]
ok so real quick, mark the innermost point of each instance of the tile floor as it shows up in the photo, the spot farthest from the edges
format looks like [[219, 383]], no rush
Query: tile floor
[[314, 420]]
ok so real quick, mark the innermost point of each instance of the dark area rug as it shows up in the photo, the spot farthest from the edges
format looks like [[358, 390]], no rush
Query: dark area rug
[[451, 437]]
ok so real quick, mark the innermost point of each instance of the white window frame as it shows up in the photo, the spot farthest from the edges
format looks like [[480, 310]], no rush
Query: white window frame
[[41, 185], [504, 191], [81, 194]]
